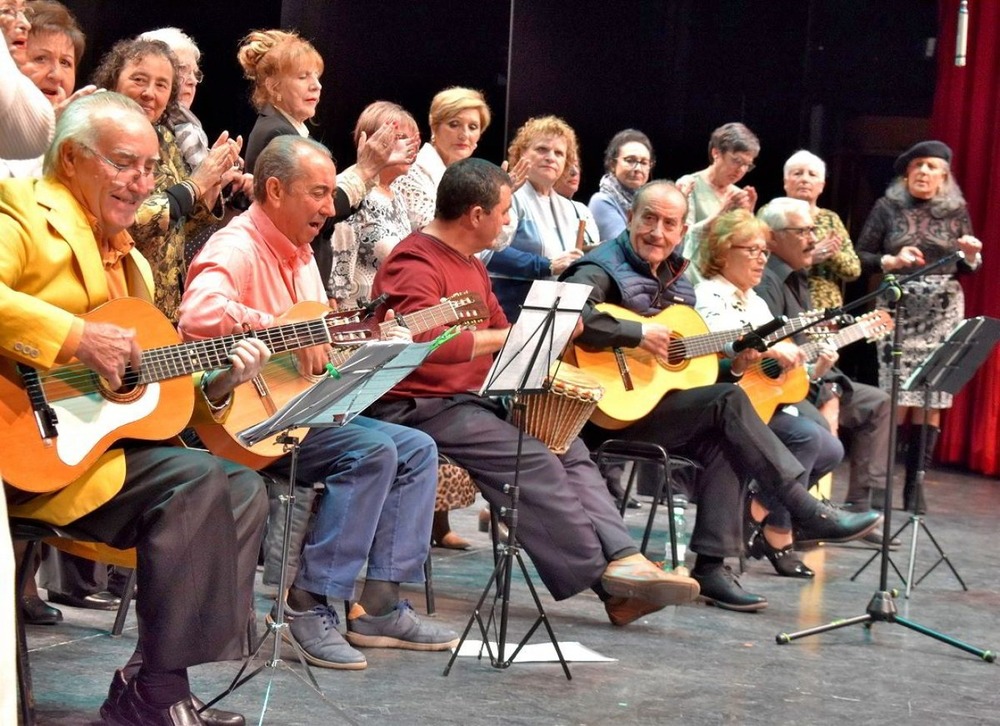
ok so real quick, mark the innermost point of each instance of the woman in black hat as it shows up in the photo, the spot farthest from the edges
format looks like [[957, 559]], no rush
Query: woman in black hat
[[922, 218]]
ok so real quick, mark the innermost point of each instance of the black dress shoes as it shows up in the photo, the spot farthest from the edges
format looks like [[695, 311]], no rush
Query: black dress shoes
[[103, 600], [130, 709], [829, 524], [720, 587], [211, 716], [36, 611]]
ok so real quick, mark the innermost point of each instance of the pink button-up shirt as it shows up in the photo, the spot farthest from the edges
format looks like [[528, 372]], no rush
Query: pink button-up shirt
[[248, 272]]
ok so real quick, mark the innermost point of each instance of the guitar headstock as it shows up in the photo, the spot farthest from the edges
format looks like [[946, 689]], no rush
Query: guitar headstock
[[469, 308], [876, 324], [349, 327]]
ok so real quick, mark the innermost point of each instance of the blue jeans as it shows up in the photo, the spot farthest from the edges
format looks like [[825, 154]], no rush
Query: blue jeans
[[381, 481]]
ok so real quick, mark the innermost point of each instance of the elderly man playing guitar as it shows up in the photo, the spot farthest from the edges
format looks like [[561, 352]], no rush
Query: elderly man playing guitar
[[191, 518], [641, 271]]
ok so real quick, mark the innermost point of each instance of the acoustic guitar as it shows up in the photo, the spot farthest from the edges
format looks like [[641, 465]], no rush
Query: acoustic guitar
[[634, 380], [768, 386], [281, 380], [60, 421]]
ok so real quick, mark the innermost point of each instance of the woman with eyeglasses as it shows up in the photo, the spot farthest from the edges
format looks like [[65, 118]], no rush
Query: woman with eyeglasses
[[921, 218], [184, 201], [732, 260], [188, 131], [628, 162], [712, 191], [545, 224]]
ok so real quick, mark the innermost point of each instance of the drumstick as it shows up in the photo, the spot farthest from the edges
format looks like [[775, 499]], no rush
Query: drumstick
[[580, 229]]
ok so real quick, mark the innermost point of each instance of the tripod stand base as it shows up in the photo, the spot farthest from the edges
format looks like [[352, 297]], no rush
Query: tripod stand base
[[882, 609], [501, 577], [918, 522]]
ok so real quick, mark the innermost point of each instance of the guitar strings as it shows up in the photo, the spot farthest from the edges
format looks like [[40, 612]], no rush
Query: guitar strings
[[173, 360]]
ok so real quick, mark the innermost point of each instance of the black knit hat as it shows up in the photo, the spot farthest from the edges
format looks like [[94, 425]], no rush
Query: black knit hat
[[936, 149]]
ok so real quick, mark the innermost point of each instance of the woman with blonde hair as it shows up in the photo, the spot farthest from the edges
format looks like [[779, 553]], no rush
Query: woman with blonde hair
[[457, 119]]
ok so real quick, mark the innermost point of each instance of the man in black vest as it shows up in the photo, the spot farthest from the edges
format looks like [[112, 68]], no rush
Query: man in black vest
[[642, 270]]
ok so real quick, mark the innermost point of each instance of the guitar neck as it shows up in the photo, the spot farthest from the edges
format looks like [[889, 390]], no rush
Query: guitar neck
[[844, 337], [420, 321], [693, 346], [204, 355]]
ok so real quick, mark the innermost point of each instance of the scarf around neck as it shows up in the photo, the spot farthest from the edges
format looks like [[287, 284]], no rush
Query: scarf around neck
[[621, 195]]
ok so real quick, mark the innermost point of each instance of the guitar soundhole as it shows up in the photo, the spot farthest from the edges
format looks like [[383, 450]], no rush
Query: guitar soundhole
[[676, 357], [131, 389], [771, 368]]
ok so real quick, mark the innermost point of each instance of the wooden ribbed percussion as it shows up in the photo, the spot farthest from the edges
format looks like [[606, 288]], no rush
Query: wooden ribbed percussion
[[556, 416]]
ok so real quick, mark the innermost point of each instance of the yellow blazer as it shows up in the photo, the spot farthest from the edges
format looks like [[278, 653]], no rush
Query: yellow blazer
[[50, 272]]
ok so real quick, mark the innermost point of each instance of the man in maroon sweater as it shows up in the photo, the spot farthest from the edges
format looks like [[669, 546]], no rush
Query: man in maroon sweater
[[567, 521]]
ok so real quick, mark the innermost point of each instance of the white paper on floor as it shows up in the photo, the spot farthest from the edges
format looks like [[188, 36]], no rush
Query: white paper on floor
[[573, 652]]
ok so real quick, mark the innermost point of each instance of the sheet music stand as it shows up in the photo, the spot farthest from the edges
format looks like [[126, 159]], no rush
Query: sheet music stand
[[548, 318], [332, 402], [946, 370]]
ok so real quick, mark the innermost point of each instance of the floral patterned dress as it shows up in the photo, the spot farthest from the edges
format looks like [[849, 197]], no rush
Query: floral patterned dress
[[932, 305]]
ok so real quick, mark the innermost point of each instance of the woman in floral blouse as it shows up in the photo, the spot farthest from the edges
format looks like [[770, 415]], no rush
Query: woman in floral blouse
[[834, 259]]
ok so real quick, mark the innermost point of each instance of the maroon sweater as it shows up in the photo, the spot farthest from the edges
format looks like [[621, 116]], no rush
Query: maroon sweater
[[418, 272]]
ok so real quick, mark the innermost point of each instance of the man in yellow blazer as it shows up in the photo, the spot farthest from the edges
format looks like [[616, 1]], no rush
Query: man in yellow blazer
[[195, 521]]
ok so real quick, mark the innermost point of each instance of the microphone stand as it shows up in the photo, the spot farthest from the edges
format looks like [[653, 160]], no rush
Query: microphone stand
[[882, 606]]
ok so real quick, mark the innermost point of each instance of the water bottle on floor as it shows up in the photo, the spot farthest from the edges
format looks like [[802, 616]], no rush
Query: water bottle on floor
[[678, 510]]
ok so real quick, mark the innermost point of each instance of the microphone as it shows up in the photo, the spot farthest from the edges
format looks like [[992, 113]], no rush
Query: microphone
[[755, 338], [962, 34]]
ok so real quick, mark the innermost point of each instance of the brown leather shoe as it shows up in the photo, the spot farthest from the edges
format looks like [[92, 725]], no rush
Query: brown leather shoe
[[625, 610], [636, 577]]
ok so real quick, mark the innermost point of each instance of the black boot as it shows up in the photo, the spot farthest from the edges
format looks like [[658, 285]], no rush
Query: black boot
[[913, 500]]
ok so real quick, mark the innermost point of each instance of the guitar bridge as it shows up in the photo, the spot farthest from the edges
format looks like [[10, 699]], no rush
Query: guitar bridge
[[260, 385], [45, 415], [623, 370]]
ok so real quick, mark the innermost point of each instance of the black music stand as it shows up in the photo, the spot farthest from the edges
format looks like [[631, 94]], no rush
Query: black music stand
[[533, 345], [882, 606], [332, 402], [946, 370]]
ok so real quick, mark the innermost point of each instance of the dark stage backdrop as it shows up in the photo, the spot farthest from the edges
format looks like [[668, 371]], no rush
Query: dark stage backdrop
[[852, 80]]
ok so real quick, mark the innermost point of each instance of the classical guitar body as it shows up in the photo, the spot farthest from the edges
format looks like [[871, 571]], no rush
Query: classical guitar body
[[768, 386], [259, 399], [89, 416], [635, 380]]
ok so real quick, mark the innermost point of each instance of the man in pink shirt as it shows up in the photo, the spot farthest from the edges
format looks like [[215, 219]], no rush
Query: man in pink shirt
[[380, 478]]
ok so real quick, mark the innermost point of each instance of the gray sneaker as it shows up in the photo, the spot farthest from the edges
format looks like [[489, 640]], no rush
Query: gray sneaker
[[399, 629], [315, 632]]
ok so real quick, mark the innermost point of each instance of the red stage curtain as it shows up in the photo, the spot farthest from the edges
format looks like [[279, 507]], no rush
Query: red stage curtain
[[967, 118]]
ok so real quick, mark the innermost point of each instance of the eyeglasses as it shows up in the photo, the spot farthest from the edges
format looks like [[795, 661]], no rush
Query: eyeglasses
[[132, 174], [800, 231], [634, 162], [753, 251], [187, 73], [10, 12], [738, 163]]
